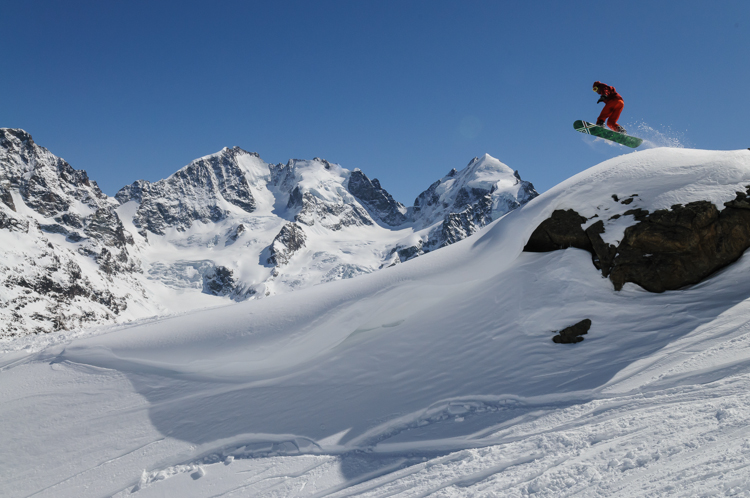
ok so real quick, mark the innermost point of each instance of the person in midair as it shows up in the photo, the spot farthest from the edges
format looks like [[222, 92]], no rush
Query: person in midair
[[613, 105]]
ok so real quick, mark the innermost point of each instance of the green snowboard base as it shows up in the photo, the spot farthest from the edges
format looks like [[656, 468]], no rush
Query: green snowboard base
[[602, 132]]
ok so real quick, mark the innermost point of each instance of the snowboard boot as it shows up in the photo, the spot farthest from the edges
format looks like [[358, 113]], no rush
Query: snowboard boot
[[599, 122], [622, 130]]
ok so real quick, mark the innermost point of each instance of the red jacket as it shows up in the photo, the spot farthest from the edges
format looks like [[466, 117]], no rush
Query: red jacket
[[607, 92]]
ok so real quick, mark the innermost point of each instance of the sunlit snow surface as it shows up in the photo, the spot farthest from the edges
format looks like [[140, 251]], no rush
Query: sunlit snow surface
[[435, 377]]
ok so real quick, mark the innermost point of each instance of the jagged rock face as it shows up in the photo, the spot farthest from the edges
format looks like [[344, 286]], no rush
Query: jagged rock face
[[13, 223], [406, 253], [68, 220], [235, 233], [47, 184], [45, 289], [331, 216], [664, 250], [201, 191], [290, 239], [379, 202], [219, 281], [52, 188], [458, 226], [6, 197]]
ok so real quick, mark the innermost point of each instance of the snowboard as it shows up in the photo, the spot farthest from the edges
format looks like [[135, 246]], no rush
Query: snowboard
[[603, 132]]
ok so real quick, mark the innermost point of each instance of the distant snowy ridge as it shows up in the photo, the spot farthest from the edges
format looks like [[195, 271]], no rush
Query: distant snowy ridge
[[226, 226]]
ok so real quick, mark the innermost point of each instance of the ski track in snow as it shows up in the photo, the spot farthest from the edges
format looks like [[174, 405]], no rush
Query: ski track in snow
[[432, 378]]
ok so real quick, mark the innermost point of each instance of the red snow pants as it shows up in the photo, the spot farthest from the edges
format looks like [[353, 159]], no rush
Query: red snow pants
[[612, 110]]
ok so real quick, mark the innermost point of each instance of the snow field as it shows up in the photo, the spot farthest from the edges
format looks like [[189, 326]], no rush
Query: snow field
[[437, 377]]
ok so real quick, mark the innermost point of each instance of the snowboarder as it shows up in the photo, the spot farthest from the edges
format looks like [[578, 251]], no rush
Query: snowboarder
[[613, 105]]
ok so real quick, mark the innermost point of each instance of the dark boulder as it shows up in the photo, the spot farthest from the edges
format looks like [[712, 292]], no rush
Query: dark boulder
[[572, 334], [670, 249], [665, 250], [560, 231]]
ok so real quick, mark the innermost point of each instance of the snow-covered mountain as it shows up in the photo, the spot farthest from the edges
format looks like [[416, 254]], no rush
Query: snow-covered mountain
[[66, 258], [436, 377], [228, 226]]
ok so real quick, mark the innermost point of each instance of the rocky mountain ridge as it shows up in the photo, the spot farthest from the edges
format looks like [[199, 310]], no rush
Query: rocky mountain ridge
[[227, 224]]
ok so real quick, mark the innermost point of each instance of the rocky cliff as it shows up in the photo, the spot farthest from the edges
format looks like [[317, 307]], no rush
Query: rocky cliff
[[664, 250]]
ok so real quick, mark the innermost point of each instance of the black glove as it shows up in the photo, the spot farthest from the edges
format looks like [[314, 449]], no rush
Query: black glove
[[601, 99]]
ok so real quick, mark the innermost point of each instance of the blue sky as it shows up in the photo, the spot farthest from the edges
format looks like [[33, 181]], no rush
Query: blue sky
[[404, 90]]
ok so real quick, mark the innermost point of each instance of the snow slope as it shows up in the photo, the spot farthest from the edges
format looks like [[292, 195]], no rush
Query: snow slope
[[434, 377]]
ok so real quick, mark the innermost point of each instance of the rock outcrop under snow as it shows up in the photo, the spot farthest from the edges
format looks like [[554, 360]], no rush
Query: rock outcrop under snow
[[664, 250]]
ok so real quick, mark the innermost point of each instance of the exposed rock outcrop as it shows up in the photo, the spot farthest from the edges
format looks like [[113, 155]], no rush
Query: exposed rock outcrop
[[572, 334], [664, 250], [218, 281], [560, 231], [235, 233], [333, 216], [197, 192], [53, 285], [289, 240], [380, 203], [673, 248], [458, 226], [318, 197]]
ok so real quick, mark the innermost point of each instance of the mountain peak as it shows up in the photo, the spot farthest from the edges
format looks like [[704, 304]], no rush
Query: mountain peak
[[15, 134]]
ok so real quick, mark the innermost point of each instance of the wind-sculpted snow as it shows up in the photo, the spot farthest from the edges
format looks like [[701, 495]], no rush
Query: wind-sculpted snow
[[438, 376]]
